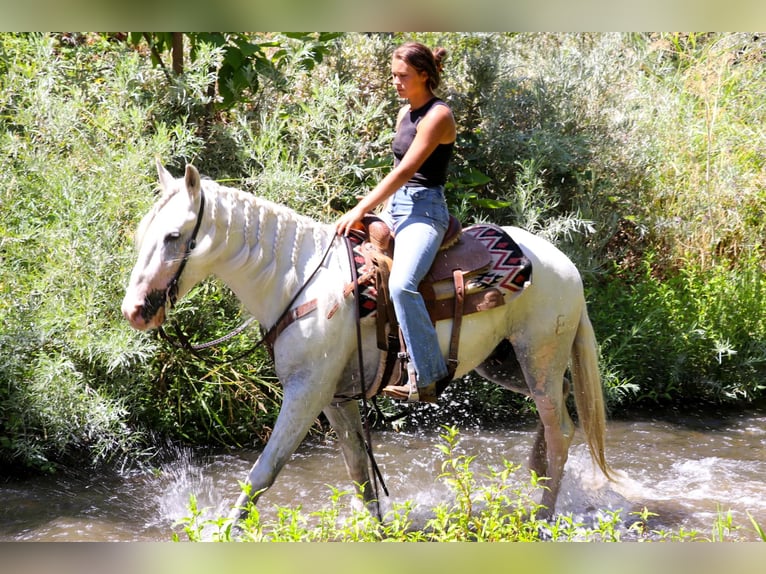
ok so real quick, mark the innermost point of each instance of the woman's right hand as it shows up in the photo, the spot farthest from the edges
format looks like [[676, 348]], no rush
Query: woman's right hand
[[349, 220]]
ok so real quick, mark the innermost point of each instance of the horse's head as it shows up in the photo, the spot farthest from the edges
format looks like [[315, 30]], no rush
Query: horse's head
[[165, 239]]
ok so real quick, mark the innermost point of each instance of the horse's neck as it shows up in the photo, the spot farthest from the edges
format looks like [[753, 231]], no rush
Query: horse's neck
[[263, 251]]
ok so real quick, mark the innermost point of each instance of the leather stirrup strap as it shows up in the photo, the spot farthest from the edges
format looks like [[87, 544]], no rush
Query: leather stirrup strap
[[391, 367], [386, 313], [457, 322]]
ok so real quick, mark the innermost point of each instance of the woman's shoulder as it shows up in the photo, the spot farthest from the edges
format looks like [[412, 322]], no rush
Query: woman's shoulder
[[440, 120], [440, 111]]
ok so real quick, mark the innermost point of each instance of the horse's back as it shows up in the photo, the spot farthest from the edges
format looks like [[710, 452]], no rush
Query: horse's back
[[550, 266], [556, 291], [545, 256]]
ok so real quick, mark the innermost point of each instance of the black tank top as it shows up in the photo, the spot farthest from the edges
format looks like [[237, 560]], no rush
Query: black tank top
[[434, 169]]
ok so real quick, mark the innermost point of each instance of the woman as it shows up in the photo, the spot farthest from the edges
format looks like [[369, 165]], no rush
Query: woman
[[416, 210]]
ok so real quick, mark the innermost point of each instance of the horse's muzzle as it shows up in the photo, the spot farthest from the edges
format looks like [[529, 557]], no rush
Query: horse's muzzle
[[145, 314]]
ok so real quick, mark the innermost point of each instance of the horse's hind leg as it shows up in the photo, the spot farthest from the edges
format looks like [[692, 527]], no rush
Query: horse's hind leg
[[538, 459], [502, 367], [345, 420], [541, 377], [545, 376]]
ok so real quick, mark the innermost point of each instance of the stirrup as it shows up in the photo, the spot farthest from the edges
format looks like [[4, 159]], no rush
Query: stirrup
[[409, 391], [404, 393]]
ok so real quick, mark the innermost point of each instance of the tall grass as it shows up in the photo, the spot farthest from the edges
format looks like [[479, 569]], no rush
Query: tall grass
[[700, 97], [694, 336]]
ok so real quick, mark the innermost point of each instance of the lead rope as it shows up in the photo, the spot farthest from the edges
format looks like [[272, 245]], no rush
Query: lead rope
[[367, 439]]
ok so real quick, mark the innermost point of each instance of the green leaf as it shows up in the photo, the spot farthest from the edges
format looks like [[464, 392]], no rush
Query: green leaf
[[474, 178], [491, 203]]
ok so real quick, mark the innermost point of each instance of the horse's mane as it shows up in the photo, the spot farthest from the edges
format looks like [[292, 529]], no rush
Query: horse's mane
[[284, 228], [256, 211]]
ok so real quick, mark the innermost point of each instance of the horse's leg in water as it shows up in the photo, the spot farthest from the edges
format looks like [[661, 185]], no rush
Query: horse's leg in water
[[502, 367], [347, 423], [544, 371], [540, 376], [304, 398], [538, 458]]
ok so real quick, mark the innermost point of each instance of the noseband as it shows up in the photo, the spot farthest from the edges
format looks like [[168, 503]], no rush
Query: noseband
[[171, 293]]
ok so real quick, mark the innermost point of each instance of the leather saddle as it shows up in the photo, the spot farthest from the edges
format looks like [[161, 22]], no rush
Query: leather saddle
[[443, 289]]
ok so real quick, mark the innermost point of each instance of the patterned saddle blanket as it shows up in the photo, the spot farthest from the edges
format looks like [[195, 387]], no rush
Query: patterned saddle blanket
[[502, 272]]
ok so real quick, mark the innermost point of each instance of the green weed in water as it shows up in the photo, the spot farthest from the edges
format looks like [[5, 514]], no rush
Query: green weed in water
[[486, 507]]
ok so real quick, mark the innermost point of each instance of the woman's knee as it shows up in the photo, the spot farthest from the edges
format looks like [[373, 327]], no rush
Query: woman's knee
[[401, 288]]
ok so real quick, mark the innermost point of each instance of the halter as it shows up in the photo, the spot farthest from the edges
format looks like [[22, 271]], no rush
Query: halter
[[171, 293]]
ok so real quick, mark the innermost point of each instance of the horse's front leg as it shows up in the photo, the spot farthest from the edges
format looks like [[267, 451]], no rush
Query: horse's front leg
[[304, 397], [347, 423]]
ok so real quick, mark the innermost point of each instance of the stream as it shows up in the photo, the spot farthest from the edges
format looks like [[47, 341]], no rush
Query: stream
[[685, 469]]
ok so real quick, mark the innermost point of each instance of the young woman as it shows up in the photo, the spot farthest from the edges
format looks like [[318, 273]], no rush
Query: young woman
[[416, 210]]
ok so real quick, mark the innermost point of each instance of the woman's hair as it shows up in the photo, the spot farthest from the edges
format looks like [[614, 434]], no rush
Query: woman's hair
[[422, 59]]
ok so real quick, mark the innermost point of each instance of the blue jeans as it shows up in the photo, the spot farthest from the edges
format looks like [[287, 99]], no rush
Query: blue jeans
[[419, 218]]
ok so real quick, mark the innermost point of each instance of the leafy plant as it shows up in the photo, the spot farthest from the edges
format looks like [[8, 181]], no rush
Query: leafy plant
[[245, 60], [706, 325], [481, 508]]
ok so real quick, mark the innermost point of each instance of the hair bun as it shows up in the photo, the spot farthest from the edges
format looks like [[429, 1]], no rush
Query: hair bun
[[439, 55]]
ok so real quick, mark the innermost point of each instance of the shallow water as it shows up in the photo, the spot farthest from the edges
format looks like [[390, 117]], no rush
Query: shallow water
[[684, 470]]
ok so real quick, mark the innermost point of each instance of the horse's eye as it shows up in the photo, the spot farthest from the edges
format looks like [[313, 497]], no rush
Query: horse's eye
[[172, 236]]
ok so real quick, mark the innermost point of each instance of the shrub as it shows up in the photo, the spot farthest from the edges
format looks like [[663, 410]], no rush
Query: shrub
[[695, 336]]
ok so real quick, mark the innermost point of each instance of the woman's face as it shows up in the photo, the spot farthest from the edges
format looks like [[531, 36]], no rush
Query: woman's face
[[407, 80]]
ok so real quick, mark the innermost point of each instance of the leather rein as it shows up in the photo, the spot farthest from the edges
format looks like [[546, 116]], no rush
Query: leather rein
[[286, 317]]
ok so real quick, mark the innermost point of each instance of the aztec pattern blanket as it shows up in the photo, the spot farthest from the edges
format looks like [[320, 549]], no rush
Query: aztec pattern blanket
[[510, 271]]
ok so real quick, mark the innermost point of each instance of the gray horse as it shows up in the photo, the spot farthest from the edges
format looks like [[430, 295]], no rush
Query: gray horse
[[267, 253]]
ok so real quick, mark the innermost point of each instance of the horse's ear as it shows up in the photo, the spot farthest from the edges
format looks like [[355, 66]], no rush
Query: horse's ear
[[192, 179], [166, 180]]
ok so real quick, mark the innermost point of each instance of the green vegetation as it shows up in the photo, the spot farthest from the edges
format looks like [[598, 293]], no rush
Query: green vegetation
[[483, 507], [641, 155]]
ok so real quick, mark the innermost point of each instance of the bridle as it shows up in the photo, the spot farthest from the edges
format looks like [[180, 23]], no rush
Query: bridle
[[171, 293], [171, 297]]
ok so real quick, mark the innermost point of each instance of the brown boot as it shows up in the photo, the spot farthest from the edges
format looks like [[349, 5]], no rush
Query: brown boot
[[428, 394], [411, 393]]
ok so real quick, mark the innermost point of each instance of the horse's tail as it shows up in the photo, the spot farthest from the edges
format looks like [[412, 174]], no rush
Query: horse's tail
[[588, 393]]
